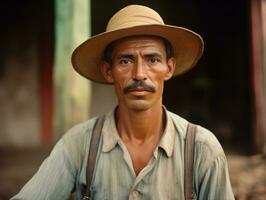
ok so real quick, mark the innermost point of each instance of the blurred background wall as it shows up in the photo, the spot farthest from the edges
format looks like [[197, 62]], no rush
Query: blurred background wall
[[41, 97]]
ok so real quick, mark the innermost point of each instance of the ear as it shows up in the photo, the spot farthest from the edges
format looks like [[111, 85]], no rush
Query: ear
[[171, 68], [106, 71]]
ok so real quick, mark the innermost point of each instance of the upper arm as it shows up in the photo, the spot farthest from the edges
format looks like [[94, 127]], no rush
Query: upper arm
[[215, 183], [211, 174], [57, 175], [55, 178]]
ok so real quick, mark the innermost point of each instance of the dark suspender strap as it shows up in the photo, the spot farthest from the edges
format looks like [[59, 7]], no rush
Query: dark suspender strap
[[94, 144], [189, 159]]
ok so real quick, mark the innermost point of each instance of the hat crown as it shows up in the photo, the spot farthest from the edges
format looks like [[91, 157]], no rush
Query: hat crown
[[133, 15]]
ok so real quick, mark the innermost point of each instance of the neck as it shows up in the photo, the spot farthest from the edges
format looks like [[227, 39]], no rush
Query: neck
[[140, 126]]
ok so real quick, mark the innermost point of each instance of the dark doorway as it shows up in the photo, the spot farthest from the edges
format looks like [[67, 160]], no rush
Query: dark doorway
[[216, 93]]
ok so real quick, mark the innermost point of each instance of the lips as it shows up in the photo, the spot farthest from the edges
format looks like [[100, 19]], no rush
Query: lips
[[138, 92], [138, 89]]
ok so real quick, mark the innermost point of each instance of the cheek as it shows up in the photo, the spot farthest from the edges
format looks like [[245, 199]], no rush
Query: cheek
[[159, 84], [119, 85], [121, 78], [159, 72], [158, 78]]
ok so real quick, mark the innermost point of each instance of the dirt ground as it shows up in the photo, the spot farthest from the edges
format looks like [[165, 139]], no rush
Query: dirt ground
[[248, 176], [248, 173]]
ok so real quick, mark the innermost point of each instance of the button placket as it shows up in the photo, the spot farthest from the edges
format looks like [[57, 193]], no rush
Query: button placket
[[145, 171]]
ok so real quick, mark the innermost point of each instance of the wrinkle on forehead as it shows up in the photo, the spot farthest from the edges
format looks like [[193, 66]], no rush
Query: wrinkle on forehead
[[139, 43]]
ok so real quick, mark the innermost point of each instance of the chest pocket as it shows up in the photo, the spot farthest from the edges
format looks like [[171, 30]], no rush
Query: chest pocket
[[99, 194]]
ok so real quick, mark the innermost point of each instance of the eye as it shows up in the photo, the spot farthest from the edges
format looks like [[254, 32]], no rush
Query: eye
[[124, 61], [154, 59]]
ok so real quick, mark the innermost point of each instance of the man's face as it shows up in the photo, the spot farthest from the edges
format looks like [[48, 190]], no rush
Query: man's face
[[138, 71]]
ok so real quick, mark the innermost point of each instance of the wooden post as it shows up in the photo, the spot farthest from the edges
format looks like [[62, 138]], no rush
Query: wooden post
[[71, 91], [46, 52], [257, 78]]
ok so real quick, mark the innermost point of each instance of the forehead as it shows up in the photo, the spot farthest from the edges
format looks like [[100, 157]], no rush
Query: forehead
[[151, 43]]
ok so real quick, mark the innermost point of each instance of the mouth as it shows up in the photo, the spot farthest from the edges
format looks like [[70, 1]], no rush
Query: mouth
[[139, 87], [138, 91]]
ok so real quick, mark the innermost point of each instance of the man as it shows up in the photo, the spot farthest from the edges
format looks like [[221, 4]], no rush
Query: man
[[141, 147]]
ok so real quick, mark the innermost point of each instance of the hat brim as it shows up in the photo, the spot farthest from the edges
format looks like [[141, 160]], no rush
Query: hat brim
[[187, 46]]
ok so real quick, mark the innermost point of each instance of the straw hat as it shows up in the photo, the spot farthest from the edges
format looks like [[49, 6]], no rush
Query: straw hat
[[137, 20]]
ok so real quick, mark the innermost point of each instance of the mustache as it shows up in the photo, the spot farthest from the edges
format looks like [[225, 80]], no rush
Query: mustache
[[140, 83]]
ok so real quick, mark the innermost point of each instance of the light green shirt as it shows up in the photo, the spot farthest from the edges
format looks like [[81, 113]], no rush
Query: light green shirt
[[114, 177]]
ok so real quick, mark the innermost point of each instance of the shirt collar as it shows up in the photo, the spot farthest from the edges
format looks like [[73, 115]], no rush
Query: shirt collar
[[110, 133], [168, 138], [111, 136]]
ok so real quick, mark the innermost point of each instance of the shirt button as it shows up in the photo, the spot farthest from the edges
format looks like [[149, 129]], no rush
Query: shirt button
[[135, 193]]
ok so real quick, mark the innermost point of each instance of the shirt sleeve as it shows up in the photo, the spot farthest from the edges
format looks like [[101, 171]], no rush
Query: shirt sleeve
[[55, 178], [211, 176], [216, 182]]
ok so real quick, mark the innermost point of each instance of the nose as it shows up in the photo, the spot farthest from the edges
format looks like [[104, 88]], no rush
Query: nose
[[139, 72]]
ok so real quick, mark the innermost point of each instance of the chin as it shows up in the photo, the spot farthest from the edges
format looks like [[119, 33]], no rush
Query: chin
[[138, 105]]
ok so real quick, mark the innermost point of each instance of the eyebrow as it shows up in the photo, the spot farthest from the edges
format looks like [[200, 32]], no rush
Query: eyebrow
[[149, 55], [125, 55]]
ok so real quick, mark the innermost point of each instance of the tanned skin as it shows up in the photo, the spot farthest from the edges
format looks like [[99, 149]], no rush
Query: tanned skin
[[140, 118]]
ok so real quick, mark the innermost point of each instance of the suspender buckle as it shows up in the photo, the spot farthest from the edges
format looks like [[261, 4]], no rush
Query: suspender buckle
[[85, 197]]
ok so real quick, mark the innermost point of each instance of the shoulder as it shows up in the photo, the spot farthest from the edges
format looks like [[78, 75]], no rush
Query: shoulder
[[205, 141], [79, 132], [76, 141]]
